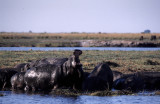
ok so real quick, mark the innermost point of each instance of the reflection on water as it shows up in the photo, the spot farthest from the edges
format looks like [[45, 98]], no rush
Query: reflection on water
[[81, 48], [22, 98]]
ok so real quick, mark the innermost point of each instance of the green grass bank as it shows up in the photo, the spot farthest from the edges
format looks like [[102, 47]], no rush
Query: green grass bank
[[127, 61]]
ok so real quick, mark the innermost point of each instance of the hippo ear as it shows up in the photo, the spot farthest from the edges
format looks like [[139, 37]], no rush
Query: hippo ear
[[77, 52]]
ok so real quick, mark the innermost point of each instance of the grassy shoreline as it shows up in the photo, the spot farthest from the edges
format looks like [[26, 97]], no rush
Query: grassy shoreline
[[127, 61]]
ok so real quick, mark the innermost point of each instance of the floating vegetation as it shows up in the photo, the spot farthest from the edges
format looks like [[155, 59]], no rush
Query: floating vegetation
[[112, 93], [1, 95], [69, 92]]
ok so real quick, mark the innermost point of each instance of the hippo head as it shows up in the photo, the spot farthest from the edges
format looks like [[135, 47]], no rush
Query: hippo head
[[26, 67], [74, 59], [73, 66]]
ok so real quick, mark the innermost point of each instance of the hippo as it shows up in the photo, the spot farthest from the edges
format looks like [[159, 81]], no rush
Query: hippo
[[67, 73], [34, 63], [5, 77], [101, 78], [151, 80], [138, 81], [17, 81], [44, 61], [21, 67], [116, 75], [130, 82]]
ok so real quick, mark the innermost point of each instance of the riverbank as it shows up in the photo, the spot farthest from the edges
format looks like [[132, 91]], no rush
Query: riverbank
[[123, 61], [118, 43], [79, 40]]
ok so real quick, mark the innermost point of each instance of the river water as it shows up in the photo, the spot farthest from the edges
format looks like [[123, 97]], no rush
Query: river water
[[81, 48], [22, 98]]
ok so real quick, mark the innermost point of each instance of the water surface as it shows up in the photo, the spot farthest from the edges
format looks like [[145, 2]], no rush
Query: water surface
[[81, 48], [22, 98]]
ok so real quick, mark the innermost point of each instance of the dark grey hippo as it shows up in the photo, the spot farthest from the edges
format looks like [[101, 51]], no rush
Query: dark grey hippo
[[17, 81], [130, 82], [116, 75], [52, 76], [138, 81], [21, 67], [151, 80], [44, 61], [5, 77], [101, 78]]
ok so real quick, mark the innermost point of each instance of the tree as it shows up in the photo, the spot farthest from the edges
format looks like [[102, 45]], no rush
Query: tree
[[30, 31], [147, 31]]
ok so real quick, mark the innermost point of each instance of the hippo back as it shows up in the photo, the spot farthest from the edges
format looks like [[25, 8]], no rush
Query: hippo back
[[56, 61], [151, 80], [101, 78], [132, 82], [45, 61]]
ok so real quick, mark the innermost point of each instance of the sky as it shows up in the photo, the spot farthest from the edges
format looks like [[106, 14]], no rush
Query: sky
[[109, 16]]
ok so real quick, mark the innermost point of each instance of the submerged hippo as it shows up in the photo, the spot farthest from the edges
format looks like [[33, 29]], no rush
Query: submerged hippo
[[151, 80], [129, 82], [101, 78], [5, 77], [139, 81], [52, 76], [17, 81]]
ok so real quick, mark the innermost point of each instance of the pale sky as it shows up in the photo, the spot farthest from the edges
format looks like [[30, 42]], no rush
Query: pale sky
[[110, 16]]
